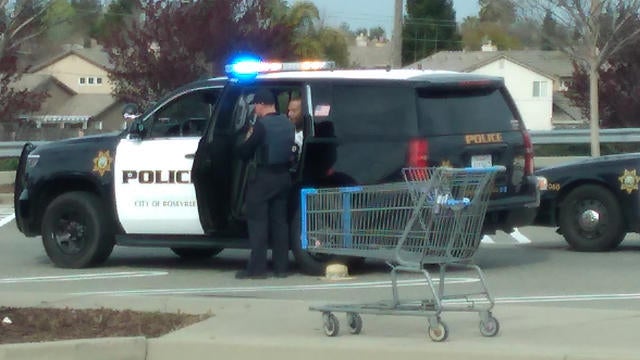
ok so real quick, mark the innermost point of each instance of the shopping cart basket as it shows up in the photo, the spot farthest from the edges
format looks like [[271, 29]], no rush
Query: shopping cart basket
[[434, 217]]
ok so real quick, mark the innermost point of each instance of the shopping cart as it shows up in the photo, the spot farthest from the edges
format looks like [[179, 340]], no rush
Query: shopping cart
[[434, 217]]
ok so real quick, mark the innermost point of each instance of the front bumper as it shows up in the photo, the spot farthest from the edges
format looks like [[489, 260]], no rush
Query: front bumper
[[25, 217]]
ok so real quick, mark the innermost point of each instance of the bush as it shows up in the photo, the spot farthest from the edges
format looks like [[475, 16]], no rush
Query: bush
[[8, 164]]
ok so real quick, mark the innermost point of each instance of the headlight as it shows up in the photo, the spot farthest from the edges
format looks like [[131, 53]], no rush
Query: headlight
[[32, 161], [542, 183]]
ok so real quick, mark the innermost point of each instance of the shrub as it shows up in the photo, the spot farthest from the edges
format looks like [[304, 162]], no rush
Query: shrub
[[8, 164]]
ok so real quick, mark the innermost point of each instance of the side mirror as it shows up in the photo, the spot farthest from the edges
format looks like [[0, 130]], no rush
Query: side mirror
[[130, 112]]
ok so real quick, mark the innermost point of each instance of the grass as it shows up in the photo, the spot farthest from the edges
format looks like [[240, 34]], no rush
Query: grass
[[8, 164]]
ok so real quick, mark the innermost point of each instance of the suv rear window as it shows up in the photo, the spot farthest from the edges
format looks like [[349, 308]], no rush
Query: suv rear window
[[370, 110], [447, 111]]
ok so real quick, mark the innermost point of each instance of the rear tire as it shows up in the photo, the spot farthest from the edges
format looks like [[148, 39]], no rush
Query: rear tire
[[76, 232], [591, 219]]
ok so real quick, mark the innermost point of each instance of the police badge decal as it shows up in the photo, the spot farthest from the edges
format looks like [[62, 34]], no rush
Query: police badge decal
[[629, 181], [102, 162]]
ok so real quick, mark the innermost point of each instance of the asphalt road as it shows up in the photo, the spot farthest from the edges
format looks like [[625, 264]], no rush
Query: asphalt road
[[534, 267]]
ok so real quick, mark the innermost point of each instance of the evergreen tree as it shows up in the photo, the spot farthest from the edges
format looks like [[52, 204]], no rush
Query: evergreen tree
[[58, 21], [87, 16], [429, 27], [548, 32]]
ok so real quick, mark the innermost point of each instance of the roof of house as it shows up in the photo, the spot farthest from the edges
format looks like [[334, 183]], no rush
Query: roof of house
[[38, 82], [563, 103], [78, 108], [94, 55], [551, 63]]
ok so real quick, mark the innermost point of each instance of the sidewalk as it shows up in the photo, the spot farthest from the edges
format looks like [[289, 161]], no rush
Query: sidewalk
[[245, 328]]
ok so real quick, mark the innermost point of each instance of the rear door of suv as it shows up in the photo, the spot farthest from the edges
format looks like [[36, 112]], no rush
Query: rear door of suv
[[475, 123]]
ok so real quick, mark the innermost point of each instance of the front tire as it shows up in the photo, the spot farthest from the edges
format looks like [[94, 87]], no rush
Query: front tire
[[76, 231], [591, 219]]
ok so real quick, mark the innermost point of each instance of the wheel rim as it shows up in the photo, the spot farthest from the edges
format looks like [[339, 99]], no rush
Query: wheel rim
[[591, 218], [70, 233]]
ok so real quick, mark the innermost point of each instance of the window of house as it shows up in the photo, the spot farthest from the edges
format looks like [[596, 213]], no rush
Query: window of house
[[83, 80], [91, 80], [539, 89], [99, 80]]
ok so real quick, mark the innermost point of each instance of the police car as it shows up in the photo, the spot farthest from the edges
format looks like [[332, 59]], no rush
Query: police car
[[592, 202], [174, 179]]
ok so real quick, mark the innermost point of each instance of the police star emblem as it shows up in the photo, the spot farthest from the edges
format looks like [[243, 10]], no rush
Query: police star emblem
[[629, 181], [102, 162]]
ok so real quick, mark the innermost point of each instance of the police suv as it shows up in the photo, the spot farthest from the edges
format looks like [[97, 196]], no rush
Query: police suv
[[174, 178]]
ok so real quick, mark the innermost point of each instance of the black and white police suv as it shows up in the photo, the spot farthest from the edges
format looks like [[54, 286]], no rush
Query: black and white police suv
[[174, 178]]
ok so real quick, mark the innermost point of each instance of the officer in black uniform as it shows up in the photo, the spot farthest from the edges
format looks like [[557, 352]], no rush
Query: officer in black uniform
[[270, 143]]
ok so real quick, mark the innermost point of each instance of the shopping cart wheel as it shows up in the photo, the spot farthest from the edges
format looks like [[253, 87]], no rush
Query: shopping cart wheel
[[490, 327], [355, 323], [331, 324], [439, 332]]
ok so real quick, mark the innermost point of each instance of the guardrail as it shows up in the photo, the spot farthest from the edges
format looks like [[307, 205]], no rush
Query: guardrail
[[539, 137], [583, 136], [13, 148]]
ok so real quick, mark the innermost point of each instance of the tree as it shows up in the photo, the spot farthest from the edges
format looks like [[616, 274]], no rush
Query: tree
[[377, 33], [87, 16], [119, 15], [179, 42], [592, 47], [18, 26], [498, 11], [619, 87], [430, 26], [58, 19], [549, 32], [313, 40], [475, 33]]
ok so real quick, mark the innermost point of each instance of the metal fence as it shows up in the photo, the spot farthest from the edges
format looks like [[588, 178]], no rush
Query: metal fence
[[539, 137]]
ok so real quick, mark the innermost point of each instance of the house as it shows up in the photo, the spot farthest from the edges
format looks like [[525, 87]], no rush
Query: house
[[77, 80], [370, 54], [536, 79]]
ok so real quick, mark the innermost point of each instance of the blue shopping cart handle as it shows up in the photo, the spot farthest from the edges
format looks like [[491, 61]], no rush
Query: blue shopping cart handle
[[457, 202], [495, 168]]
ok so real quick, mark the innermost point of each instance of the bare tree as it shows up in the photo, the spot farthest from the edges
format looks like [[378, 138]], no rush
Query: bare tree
[[600, 30], [19, 23]]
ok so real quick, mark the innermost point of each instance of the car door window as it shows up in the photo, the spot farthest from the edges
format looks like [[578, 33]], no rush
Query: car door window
[[184, 116]]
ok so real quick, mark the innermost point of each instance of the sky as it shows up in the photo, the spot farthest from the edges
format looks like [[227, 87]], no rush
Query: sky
[[373, 13]]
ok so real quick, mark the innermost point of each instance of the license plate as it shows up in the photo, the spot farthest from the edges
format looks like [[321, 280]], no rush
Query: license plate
[[481, 161]]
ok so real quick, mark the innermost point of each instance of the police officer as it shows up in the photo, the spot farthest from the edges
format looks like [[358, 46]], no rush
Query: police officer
[[269, 142]]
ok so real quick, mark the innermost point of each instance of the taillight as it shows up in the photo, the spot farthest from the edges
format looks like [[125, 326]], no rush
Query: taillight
[[418, 153], [528, 153]]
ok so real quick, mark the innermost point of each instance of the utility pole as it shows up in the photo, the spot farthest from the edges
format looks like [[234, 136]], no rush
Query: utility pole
[[396, 50], [594, 61]]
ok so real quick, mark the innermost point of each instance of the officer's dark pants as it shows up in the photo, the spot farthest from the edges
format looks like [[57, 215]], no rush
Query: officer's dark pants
[[266, 200]]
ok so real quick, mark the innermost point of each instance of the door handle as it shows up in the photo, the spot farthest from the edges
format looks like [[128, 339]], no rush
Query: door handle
[[190, 156]]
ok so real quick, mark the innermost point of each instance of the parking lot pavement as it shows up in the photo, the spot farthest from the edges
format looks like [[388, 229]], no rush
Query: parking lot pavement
[[6, 213], [247, 328]]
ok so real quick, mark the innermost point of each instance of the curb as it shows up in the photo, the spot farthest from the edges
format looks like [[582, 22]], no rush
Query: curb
[[133, 348]]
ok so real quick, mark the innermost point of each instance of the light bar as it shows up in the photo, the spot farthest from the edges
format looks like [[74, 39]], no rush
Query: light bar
[[249, 68]]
